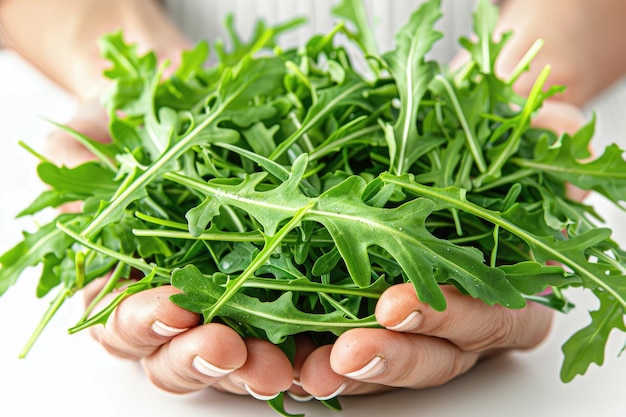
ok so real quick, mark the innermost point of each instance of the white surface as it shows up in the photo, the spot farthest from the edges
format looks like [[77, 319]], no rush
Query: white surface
[[73, 376]]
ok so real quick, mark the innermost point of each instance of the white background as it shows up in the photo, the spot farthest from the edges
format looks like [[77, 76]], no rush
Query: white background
[[73, 376]]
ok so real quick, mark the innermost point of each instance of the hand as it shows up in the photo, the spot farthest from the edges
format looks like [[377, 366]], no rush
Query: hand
[[177, 353], [180, 355], [420, 347]]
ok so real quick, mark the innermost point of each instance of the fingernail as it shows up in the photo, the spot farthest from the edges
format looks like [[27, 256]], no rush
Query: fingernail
[[296, 382], [337, 392], [300, 398], [163, 329], [375, 367], [258, 396], [409, 323], [206, 368]]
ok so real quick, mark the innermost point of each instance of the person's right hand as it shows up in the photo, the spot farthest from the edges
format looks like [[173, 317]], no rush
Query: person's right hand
[[180, 355]]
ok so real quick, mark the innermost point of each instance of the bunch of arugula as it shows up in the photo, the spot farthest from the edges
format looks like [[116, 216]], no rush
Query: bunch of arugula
[[284, 190]]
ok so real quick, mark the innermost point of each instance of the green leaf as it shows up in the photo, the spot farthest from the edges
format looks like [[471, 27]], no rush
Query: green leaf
[[354, 12], [606, 174], [234, 91], [270, 207], [30, 251], [587, 345], [87, 179], [532, 277], [571, 252], [278, 405], [425, 259], [412, 75], [125, 62], [279, 318], [485, 50]]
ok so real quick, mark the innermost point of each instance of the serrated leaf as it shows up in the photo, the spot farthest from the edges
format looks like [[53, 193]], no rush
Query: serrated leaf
[[279, 318], [270, 207], [587, 345], [424, 259], [532, 277], [30, 251], [605, 174], [485, 50], [412, 75]]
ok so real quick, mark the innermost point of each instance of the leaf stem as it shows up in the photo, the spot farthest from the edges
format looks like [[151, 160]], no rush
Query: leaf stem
[[496, 219], [472, 143], [136, 263], [58, 301], [524, 63], [272, 242]]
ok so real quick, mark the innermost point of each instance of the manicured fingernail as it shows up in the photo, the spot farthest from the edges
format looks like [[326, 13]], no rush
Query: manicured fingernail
[[300, 398], [409, 323], [337, 392], [375, 367], [163, 329], [296, 382], [208, 369], [258, 396]]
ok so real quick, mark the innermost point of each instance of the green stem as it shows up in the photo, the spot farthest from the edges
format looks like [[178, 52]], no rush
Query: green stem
[[475, 148], [310, 287], [115, 277], [512, 143], [338, 306], [496, 219], [524, 63], [270, 246], [136, 263], [58, 301]]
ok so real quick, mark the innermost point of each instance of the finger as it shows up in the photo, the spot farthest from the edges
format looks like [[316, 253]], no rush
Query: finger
[[143, 322], [560, 117], [377, 358], [266, 373], [196, 358], [320, 379], [467, 322]]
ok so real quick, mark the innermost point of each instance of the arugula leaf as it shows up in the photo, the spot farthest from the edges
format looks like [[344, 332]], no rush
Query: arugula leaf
[[412, 74], [353, 11], [485, 50], [586, 346], [279, 318]]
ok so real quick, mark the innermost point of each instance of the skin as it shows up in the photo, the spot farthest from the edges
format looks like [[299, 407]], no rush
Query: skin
[[429, 348]]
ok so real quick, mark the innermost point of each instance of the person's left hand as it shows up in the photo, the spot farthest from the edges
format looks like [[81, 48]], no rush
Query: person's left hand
[[420, 347]]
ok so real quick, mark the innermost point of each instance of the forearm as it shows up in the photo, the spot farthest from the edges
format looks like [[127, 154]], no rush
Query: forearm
[[60, 37], [584, 43]]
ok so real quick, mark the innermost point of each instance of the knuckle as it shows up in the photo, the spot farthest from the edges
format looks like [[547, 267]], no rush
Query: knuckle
[[496, 333]]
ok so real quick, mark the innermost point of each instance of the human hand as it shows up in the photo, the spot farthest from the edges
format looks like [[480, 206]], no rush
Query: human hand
[[420, 347], [177, 353], [180, 355]]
